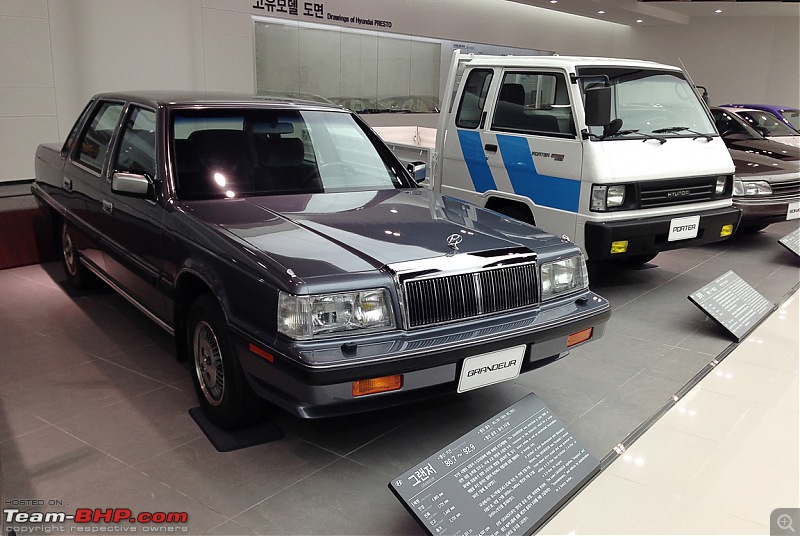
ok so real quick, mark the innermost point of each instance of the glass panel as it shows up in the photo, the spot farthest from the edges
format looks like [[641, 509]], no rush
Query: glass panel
[[535, 103], [473, 98], [137, 150], [240, 153], [97, 135]]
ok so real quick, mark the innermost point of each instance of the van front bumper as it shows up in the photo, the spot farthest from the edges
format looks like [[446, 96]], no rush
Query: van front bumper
[[646, 236]]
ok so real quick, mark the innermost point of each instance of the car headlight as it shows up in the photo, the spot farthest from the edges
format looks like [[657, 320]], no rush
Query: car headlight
[[563, 277], [306, 317], [742, 187], [606, 197]]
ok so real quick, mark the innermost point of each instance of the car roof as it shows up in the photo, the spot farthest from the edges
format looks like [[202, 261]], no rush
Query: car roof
[[769, 107], [176, 98]]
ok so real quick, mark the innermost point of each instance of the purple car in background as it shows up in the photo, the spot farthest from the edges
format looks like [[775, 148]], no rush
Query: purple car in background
[[786, 114]]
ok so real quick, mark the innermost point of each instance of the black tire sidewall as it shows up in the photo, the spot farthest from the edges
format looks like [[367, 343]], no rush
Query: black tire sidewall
[[81, 278], [238, 405]]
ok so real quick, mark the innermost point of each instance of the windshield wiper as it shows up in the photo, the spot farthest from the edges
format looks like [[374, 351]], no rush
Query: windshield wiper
[[661, 139], [679, 129]]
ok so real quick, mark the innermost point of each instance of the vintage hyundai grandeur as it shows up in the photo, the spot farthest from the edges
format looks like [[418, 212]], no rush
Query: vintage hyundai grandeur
[[296, 260]]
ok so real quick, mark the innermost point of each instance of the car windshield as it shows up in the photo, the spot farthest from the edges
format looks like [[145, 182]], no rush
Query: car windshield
[[220, 153], [766, 123], [649, 102], [793, 116], [729, 124]]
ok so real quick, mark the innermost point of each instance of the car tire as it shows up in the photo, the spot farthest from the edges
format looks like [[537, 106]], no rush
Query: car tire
[[78, 275], [222, 390]]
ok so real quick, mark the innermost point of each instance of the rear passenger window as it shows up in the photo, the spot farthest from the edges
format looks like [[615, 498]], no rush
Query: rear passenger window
[[96, 137], [534, 103], [473, 98]]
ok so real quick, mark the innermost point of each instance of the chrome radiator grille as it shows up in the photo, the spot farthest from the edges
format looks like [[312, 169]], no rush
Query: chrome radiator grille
[[453, 297], [786, 188]]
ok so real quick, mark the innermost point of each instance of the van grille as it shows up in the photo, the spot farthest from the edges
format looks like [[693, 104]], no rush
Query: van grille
[[453, 297], [676, 192]]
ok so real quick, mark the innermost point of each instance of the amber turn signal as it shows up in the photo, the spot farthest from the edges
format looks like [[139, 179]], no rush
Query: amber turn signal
[[579, 337], [377, 385]]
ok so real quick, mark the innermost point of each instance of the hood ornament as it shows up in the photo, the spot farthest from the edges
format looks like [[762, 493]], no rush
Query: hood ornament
[[453, 241]]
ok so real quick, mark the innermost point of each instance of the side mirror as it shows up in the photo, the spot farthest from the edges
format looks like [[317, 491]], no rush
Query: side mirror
[[132, 184], [418, 170], [598, 106]]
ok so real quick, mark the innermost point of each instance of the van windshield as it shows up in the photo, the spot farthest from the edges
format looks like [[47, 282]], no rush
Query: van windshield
[[650, 102]]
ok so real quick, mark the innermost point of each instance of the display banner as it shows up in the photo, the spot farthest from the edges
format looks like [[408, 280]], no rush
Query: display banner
[[506, 476], [792, 241], [733, 304]]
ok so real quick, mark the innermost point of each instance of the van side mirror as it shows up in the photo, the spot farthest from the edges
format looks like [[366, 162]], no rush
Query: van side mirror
[[598, 106]]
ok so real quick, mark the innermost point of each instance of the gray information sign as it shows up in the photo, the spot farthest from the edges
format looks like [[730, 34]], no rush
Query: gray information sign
[[732, 303], [792, 241], [504, 477]]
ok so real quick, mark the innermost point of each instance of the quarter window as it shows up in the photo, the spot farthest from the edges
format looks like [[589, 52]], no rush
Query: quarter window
[[473, 98], [96, 138]]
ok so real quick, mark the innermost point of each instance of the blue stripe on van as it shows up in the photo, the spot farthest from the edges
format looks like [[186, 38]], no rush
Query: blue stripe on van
[[547, 191], [475, 158]]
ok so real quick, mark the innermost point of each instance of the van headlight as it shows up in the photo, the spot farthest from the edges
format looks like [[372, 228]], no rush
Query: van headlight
[[307, 317], [742, 187], [607, 197], [563, 277]]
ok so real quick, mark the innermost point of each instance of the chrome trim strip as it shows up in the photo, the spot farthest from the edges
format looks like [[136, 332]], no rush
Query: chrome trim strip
[[96, 271]]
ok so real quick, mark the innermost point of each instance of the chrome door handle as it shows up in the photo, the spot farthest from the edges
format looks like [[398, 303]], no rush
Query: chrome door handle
[[67, 182], [108, 206]]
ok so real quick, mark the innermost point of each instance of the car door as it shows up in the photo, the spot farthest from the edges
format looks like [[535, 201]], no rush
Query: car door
[[83, 181], [133, 249]]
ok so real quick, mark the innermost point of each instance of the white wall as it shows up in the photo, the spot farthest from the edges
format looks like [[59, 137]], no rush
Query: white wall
[[739, 59], [54, 54]]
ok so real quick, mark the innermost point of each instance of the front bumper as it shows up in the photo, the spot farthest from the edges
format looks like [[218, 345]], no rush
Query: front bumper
[[430, 360], [764, 210], [646, 236]]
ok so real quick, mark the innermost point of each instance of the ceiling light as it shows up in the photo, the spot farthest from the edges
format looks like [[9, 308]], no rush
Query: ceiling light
[[553, 1], [601, 12], [639, 20], [717, 11]]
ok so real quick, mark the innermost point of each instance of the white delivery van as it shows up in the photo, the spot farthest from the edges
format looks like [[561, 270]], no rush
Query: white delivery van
[[619, 155]]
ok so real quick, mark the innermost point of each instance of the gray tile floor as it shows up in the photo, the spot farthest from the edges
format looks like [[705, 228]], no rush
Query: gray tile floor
[[93, 406]]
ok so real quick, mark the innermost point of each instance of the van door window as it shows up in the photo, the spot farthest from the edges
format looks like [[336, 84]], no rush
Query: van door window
[[534, 103], [473, 98]]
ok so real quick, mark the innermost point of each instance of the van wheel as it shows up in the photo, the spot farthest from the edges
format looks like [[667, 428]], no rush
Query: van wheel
[[78, 275], [219, 382]]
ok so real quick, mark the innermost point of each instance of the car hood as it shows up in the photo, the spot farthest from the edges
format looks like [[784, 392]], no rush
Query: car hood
[[763, 147], [756, 167], [318, 235]]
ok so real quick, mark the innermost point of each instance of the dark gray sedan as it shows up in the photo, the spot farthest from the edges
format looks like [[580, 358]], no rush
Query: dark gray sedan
[[296, 260]]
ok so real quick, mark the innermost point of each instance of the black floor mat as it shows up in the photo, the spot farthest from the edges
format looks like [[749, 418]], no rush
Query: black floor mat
[[229, 440]]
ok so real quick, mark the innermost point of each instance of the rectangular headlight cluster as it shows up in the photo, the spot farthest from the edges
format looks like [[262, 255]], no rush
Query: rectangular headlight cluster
[[741, 187], [607, 197], [307, 317], [563, 277]]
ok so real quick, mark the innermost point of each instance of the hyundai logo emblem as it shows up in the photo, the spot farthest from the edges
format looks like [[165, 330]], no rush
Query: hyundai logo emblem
[[454, 240]]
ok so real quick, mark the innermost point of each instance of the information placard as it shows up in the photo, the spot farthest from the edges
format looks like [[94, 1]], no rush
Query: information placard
[[505, 477], [792, 241], [733, 304]]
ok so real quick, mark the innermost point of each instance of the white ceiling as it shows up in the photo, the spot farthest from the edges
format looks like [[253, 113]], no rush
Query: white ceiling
[[667, 12]]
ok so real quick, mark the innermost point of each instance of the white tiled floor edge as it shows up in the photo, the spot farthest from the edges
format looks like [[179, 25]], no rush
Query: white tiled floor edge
[[717, 462]]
